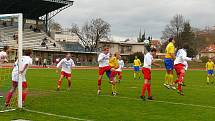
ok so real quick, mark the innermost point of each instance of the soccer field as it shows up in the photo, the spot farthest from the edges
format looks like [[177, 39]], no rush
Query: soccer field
[[44, 103]]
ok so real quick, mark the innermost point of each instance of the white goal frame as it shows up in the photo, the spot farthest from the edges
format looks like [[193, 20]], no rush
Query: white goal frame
[[20, 49]]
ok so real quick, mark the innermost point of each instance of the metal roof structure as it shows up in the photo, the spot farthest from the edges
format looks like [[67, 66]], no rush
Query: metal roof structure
[[34, 9]]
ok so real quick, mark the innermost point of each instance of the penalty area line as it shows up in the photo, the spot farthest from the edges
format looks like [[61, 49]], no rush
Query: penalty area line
[[55, 115], [167, 102]]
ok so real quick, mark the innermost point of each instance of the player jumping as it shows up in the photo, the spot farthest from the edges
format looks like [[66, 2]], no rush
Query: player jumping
[[67, 63], [146, 70], [180, 66], [169, 64], [26, 61], [210, 70], [3, 58], [119, 70], [103, 60], [137, 64]]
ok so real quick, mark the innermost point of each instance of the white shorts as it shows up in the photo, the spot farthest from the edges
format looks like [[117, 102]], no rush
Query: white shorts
[[15, 77]]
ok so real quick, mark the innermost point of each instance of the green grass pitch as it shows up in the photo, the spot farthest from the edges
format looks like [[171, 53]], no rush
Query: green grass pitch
[[44, 103]]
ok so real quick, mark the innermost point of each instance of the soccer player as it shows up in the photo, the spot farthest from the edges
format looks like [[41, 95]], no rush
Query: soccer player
[[3, 54], [119, 70], [3, 58], [137, 64], [26, 61], [67, 63], [103, 60], [114, 64], [210, 70], [169, 64], [180, 66], [146, 70]]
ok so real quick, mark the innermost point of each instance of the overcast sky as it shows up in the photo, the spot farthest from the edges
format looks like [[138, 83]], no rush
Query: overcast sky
[[128, 16]]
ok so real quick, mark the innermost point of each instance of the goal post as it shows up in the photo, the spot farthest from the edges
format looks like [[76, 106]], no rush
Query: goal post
[[20, 37], [19, 17]]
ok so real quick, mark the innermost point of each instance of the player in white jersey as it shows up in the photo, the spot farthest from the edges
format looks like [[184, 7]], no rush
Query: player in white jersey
[[103, 60], [119, 70], [26, 61], [3, 58], [148, 62], [66, 64], [180, 65]]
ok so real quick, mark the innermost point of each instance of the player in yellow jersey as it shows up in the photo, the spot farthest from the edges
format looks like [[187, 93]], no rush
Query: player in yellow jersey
[[137, 64], [169, 64], [113, 63], [210, 69]]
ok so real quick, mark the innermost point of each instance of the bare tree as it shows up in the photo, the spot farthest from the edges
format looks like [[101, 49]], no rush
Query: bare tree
[[174, 28], [92, 32], [54, 26]]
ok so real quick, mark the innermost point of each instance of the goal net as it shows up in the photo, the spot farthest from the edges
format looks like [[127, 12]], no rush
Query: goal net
[[11, 27]]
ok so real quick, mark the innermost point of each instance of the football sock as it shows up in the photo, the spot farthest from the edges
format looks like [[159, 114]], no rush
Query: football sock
[[144, 89], [9, 95], [208, 79], [59, 82], [138, 74], [149, 89], [69, 84], [179, 87], [166, 79], [171, 82], [113, 88], [24, 95], [120, 77], [135, 75]]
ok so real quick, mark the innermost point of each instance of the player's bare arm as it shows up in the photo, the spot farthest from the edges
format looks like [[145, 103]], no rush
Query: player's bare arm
[[25, 67]]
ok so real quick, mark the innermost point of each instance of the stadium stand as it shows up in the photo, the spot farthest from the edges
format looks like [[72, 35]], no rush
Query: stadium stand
[[31, 39]]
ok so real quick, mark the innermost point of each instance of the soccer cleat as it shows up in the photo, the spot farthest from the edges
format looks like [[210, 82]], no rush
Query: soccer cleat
[[181, 93], [183, 84], [98, 92], [119, 81], [58, 89], [114, 93], [173, 87], [1, 96], [150, 98], [7, 105], [143, 98], [167, 86]]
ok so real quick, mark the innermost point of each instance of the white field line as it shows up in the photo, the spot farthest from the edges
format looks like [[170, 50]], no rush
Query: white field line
[[55, 115], [8, 110], [167, 102]]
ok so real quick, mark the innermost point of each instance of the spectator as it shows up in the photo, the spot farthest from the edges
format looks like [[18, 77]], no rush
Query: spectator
[[37, 61], [40, 61], [45, 39], [54, 44], [44, 63], [31, 27], [4, 24], [43, 44], [57, 60]]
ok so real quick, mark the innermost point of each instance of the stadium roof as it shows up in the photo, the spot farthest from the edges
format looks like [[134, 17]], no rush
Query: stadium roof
[[33, 9]]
